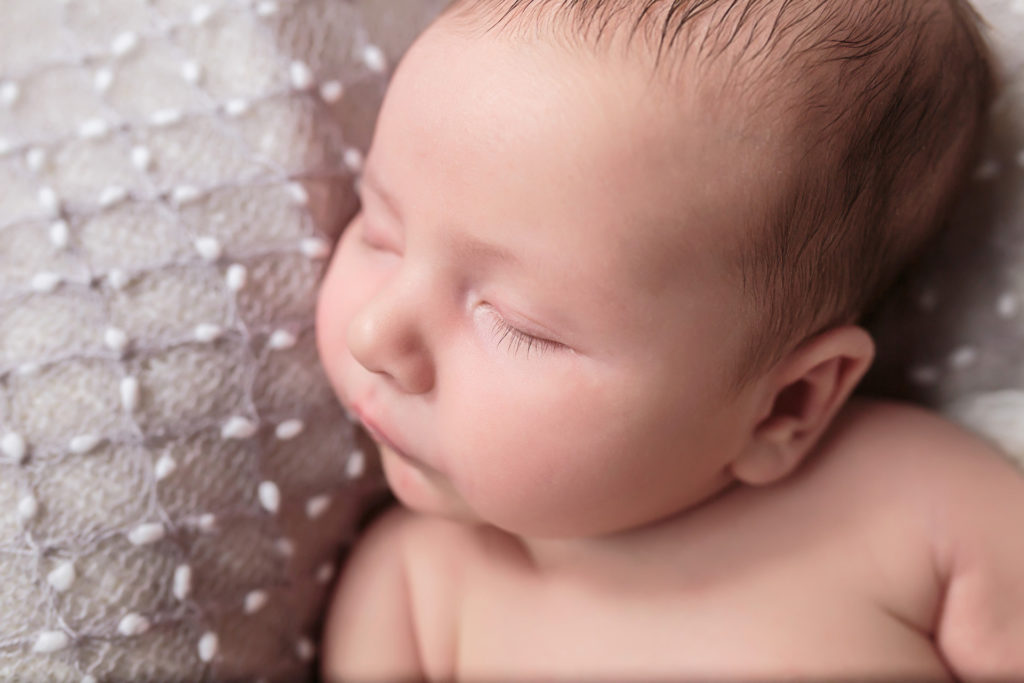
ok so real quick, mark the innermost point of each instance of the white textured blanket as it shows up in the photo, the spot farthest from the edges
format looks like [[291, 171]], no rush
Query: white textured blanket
[[176, 478]]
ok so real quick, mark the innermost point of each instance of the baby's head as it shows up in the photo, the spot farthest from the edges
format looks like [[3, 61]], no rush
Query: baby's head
[[611, 251]]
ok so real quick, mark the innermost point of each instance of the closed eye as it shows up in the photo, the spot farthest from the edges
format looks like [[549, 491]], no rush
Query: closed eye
[[517, 339]]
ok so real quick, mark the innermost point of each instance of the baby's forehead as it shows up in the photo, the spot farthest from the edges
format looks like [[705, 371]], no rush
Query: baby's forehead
[[680, 150], [557, 145], [742, 56], [734, 63]]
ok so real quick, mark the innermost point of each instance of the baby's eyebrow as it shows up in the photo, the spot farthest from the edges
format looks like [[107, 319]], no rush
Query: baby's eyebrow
[[470, 248], [465, 246]]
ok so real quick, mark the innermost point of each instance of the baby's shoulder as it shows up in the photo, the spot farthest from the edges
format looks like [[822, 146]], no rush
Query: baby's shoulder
[[870, 423], [432, 550], [972, 497], [906, 443], [431, 553], [894, 465], [912, 461]]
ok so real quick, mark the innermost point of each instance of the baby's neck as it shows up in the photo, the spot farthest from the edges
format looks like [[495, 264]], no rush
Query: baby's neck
[[614, 559]]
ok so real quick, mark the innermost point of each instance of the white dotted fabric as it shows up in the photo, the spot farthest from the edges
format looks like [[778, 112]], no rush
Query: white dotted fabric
[[176, 478], [952, 334]]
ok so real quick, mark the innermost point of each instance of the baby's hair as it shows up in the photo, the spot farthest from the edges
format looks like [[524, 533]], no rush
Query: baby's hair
[[886, 99]]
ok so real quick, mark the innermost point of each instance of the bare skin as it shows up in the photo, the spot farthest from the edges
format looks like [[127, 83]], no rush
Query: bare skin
[[851, 568], [535, 317]]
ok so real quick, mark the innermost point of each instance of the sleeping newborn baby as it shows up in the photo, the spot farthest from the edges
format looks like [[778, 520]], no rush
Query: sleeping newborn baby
[[599, 312]]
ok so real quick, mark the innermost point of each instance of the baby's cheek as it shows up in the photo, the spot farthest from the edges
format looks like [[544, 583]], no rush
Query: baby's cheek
[[348, 283], [325, 311], [523, 449], [332, 309]]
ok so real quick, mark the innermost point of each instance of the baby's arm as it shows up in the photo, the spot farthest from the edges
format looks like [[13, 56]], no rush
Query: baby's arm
[[370, 633], [980, 551]]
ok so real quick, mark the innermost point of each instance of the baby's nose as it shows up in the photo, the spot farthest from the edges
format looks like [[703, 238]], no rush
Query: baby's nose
[[386, 338]]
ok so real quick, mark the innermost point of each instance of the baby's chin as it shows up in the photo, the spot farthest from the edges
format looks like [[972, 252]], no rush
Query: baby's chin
[[422, 489]]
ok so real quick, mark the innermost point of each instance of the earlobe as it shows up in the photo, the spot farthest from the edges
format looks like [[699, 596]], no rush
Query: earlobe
[[763, 463], [808, 389]]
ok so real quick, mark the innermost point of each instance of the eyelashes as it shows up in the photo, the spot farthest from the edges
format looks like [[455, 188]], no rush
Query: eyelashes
[[517, 339]]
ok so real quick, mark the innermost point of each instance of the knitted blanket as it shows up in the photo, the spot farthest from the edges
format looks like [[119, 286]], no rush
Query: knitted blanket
[[176, 477]]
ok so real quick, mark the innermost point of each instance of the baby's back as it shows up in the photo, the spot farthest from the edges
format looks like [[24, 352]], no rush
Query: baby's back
[[840, 570]]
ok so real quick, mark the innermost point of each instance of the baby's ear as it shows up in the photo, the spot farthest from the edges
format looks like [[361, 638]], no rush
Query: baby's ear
[[806, 391]]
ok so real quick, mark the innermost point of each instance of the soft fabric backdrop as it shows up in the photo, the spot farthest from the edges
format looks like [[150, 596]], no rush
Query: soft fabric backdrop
[[176, 478], [952, 334]]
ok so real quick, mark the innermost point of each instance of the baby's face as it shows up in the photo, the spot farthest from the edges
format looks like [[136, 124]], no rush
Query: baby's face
[[532, 305]]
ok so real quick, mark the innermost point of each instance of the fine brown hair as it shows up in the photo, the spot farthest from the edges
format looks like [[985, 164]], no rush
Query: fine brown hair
[[887, 101]]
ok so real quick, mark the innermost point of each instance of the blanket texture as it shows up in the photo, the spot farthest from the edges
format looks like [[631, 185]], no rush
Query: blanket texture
[[176, 478]]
